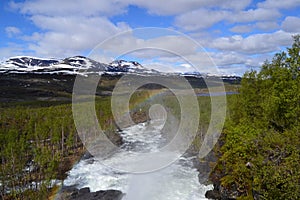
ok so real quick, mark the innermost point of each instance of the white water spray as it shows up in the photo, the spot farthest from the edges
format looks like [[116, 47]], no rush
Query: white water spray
[[179, 180]]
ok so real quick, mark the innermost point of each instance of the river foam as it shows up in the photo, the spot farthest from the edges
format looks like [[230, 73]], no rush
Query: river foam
[[179, 180]]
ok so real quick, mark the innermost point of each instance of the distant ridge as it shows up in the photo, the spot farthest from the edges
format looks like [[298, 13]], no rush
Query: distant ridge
[[70, 66], [80, 65]]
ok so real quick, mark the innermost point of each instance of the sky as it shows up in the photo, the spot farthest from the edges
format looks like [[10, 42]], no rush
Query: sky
[[232, 36]]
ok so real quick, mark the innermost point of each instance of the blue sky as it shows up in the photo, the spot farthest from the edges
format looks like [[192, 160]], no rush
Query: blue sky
[[237, 35]]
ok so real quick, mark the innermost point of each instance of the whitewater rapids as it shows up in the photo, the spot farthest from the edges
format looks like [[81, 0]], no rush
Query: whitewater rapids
[[177, 181]]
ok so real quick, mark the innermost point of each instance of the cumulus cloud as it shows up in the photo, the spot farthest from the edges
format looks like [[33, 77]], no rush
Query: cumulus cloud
[[267, 25], [291, 24], [213, 63], [166, 46], [263, 25], [70, 7], [278, 4], [242, 28], [259, 14], [182, 6], [64, 36], [254, 44], [71, 26], [12, 31], [205, 18], [223, 59], [13, 49], [200, 19]]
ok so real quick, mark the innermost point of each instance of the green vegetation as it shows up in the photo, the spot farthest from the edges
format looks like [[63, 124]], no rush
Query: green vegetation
[[39, 143], [260, 146], [32, 148]]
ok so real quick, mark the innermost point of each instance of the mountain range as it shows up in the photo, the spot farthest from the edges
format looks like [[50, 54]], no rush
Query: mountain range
[[71, 66], [84, 66], [25, 78]]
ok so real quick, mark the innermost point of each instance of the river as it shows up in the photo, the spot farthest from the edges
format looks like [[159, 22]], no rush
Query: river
[[177, 181]]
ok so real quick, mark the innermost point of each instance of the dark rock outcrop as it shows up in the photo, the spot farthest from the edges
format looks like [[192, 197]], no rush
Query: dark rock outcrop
[[203, 165], [213, 194], [220, 193], [87, 155], [71, 193]]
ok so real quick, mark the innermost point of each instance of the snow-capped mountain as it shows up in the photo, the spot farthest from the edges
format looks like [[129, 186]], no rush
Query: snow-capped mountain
[[72, 65], [27, 78], [26, 64], [192, 74], [128, 66], [84, 66]]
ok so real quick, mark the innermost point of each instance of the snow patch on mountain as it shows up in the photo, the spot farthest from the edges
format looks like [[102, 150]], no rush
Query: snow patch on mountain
[[80, 65], [72, 65], [129, 67]]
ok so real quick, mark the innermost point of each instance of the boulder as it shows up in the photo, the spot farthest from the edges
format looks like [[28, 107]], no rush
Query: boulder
[[72, 193]]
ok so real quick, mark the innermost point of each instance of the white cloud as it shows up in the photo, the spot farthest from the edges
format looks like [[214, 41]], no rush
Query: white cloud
[[205, 18], [162, 66], [234, 63], [186, 65], [159, 7], [178, 7], [230, 58], [166, 46], [263, 25], [200, 19], [71, 35], [70, 27], [291, 24], [224, 59], [267, 25], [251, 15], [11, 49], [115, 7], [12, 31], [279, 4], [233, 4], [254, 44], [242, 28], [70, 7], [211, 62]]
